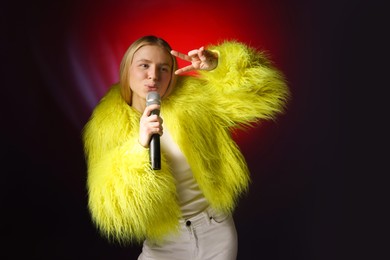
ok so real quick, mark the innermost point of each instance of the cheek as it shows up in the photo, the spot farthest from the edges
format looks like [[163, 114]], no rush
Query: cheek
[[135, 76], [167, 78], [164, 83]]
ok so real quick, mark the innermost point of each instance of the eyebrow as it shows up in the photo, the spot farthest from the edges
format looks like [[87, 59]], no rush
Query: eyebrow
[[149, 61]]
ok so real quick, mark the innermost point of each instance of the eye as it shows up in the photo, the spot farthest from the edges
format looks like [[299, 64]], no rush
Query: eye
[[144, 65], [165, 69]]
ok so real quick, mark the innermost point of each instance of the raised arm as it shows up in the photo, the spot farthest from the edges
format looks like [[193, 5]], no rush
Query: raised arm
[[245, 85], [200, 59]]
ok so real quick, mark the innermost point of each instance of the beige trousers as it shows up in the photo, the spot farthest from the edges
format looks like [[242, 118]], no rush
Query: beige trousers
[[207, 236]]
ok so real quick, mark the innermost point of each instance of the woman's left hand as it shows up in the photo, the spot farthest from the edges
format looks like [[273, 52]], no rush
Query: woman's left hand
[[200, 59]]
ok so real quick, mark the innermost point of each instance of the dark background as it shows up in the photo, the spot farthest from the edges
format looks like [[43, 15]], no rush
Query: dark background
[[312, 180]]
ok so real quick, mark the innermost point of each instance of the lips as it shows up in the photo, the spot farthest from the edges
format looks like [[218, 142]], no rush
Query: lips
[[151, 87]]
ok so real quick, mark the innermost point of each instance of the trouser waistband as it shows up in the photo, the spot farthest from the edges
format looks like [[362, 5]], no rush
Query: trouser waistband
[[199, 219]]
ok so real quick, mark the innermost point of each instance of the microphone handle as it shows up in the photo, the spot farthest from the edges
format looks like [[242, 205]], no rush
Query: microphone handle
[[154, 152], [154, 148]]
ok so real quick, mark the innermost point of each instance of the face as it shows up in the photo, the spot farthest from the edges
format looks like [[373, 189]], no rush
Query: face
[[151, 70]]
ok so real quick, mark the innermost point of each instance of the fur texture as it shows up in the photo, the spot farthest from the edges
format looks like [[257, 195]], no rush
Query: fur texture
[[127, 200]]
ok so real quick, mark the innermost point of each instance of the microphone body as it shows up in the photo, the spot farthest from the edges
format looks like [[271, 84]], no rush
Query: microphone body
[[154, 145]]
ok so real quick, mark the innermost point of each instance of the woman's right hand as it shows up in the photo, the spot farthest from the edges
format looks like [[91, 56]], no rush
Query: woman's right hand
[[149, 125]]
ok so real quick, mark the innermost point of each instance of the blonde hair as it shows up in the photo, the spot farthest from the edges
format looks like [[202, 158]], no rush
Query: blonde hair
[[124, 75]]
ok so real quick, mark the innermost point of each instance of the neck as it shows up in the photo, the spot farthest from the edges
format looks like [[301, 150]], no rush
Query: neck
[[138, 103]]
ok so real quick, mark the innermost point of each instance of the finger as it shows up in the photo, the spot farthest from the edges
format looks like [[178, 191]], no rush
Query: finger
[[180, 55], [193, 53], [184, 69], [201, 52], [153, 119], [156, 130], [148, 110]]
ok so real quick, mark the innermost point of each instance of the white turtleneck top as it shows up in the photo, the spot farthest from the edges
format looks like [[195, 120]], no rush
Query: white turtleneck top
[[190, 197]]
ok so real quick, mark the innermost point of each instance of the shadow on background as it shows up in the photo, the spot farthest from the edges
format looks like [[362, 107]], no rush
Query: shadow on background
[[299, 202]]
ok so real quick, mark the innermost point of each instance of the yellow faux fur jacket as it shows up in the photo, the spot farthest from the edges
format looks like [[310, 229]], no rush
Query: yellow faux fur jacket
[[130, 202]]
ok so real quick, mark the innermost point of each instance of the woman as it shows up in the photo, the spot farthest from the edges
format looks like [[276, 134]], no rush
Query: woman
[[183, 210]]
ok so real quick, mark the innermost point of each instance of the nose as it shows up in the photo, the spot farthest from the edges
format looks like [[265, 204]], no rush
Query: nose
[[153, 73]]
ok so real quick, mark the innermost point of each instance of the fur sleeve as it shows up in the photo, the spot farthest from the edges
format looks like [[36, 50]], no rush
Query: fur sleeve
[[245, 86], [127, 200]]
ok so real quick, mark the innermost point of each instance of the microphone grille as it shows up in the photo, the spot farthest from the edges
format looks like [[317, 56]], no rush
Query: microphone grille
[[153, 98]]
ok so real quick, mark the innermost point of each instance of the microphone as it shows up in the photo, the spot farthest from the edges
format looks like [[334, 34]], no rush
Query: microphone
[[154, 145]]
